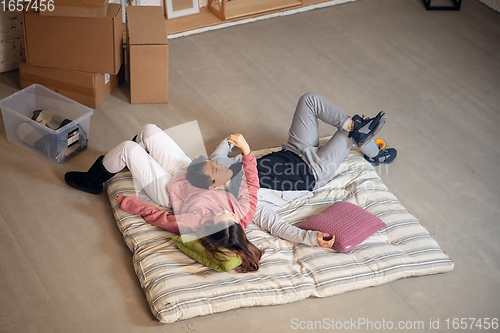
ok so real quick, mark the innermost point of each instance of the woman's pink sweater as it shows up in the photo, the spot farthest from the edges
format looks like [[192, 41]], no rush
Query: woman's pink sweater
[[193, 206]]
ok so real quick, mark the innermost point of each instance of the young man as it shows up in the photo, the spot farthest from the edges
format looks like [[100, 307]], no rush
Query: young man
[[302, 165]]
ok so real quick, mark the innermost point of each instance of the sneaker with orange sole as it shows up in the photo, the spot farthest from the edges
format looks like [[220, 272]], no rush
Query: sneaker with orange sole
[[385, 155]]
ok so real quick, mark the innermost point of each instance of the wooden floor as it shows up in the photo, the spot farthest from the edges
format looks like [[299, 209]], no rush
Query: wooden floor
[[65, 268], [235, 11]]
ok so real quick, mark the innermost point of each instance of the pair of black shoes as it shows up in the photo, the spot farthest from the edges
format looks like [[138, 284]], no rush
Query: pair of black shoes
[[364, 129]]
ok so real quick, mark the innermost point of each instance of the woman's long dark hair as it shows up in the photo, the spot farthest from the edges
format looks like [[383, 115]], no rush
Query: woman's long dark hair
[[233, 238]]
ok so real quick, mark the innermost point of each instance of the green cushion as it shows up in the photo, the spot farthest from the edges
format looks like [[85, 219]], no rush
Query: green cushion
[[193, 248]]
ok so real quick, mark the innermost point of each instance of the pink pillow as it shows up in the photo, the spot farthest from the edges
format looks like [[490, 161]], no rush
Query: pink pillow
[[350, 224]]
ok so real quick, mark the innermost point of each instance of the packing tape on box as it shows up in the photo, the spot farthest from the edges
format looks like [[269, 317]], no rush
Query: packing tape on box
[[58, 85]]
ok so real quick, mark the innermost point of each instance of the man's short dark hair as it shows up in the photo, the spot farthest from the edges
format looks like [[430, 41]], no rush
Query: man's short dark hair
[[195, 173]]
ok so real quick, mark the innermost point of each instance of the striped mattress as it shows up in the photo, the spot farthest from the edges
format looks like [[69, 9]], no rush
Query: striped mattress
[[177, 287]]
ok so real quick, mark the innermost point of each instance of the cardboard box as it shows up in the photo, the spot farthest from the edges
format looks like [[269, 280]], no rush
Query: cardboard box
[[90, 89], [147, 47], [77, 8], [86, 44]]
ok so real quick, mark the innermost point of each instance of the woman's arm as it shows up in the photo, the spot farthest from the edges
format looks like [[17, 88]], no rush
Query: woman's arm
[[247, 200], [150, 213]]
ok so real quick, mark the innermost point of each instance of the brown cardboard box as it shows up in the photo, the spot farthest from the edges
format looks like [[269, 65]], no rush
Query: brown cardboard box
[[86, 44], [90, 89], [147, 46], [77, 8]]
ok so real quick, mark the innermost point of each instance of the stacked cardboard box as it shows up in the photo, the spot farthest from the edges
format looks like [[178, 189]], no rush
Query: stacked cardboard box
[[80, 57], [88, 88], [147, 47]]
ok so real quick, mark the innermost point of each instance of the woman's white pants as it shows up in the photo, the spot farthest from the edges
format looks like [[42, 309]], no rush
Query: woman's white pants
[[155, 160]]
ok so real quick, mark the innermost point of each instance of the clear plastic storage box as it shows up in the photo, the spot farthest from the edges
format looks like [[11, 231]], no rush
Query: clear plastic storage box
[[61, 128]]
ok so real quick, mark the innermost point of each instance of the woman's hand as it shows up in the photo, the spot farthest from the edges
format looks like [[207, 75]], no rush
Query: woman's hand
[[239, 141], [324, 243]]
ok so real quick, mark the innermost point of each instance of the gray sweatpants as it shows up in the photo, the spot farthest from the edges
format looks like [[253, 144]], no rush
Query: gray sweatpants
[[304, 137]]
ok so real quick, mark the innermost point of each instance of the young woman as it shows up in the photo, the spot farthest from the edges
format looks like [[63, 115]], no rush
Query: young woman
[[212, 212]]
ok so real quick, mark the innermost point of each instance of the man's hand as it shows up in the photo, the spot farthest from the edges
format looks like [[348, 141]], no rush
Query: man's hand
[[239, 141], [324, 243]]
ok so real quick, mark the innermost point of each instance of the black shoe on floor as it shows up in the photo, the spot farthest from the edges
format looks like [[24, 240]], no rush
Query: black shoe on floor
[[90, 181]]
